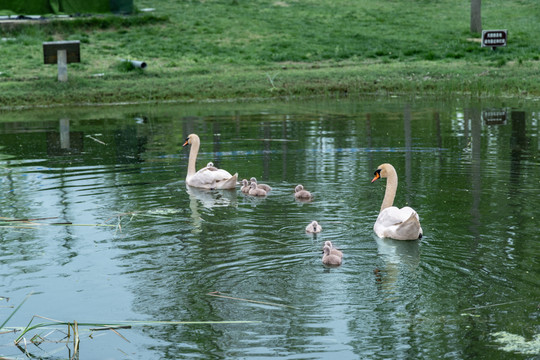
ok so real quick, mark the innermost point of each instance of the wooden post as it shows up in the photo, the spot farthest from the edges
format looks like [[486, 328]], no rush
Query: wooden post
[[476, 16], [62, 65]]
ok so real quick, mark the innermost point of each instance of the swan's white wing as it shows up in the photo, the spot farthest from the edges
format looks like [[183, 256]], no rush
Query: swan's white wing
[[390, 224], [393, 216]]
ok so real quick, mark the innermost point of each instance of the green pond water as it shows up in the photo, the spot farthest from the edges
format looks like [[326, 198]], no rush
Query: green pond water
[[120, 238]]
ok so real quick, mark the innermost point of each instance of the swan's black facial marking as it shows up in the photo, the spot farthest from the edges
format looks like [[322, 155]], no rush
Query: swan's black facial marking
[[186, 142], [377, 174]]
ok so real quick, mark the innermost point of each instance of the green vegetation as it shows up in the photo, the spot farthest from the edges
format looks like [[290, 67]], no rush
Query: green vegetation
[[51, 331], [221, 49]]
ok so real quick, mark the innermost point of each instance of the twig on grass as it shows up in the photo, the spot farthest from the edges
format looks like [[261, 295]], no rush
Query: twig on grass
[[271, 79]]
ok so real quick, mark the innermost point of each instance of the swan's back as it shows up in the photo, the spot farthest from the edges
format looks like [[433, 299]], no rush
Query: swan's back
[[212, 179], [399, 224]]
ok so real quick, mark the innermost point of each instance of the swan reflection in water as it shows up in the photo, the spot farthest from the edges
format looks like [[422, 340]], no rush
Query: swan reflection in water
[[204, 198], [399, 256]]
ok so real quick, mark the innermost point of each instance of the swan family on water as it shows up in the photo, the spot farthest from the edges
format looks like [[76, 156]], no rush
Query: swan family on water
[[208, 177], [392, 222]]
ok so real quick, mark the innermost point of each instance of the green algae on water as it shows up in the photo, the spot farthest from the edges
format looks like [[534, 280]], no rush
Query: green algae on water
[[517, 343]]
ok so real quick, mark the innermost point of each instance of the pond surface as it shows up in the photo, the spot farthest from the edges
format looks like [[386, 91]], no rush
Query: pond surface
[[117, 236]]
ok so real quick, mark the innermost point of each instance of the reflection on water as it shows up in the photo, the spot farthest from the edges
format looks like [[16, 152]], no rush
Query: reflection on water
[[399, 252], [137, 244], [397, 256], [208, 199]]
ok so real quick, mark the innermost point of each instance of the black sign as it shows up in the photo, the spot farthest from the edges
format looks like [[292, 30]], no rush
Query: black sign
[[494, 38], [73, 51], [494, 117]]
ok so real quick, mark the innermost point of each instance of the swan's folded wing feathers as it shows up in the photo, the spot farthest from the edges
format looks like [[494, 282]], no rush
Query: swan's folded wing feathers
[[410, 229], [394, 216], [229, 183], [401, 224], [209, 178]]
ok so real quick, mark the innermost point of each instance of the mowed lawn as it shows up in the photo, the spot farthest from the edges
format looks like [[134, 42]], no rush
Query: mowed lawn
[[233, 48]]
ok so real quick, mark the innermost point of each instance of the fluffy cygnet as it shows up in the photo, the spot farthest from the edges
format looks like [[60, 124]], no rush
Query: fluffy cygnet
[[245, 186], [261, 186], [329, 258], [302, 194], [313, 227], [210, 166], [255, 191], [333, 250]]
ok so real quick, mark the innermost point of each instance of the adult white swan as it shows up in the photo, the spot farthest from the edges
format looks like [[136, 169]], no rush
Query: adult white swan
[[208, 177], [399, 224]]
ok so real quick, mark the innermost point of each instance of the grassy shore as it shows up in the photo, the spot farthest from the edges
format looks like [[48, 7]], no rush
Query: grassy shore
[[228, 49]]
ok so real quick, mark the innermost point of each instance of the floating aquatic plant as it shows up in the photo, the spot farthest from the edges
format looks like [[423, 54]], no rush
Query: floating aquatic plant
[[54, 331], [517, 343], [28, 223], [221, 295]]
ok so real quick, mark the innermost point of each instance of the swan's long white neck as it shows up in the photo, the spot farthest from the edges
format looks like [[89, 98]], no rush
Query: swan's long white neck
[[391, 187], [195, 144]]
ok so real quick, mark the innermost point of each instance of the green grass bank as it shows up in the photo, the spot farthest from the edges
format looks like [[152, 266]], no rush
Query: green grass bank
[[229, 49]]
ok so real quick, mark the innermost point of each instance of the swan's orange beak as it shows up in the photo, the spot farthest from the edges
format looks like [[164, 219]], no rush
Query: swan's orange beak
[[377, 176], [187, 142]]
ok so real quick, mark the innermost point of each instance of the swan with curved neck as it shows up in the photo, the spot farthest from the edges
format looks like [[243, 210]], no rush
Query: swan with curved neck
[[394, 223], [208, 177]]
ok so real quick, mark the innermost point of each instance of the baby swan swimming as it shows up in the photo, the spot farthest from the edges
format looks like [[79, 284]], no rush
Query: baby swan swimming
[[255, 191], [314, 227], [261, 186], [245, 186], [302, 194], [329, 258], [333, 250]]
